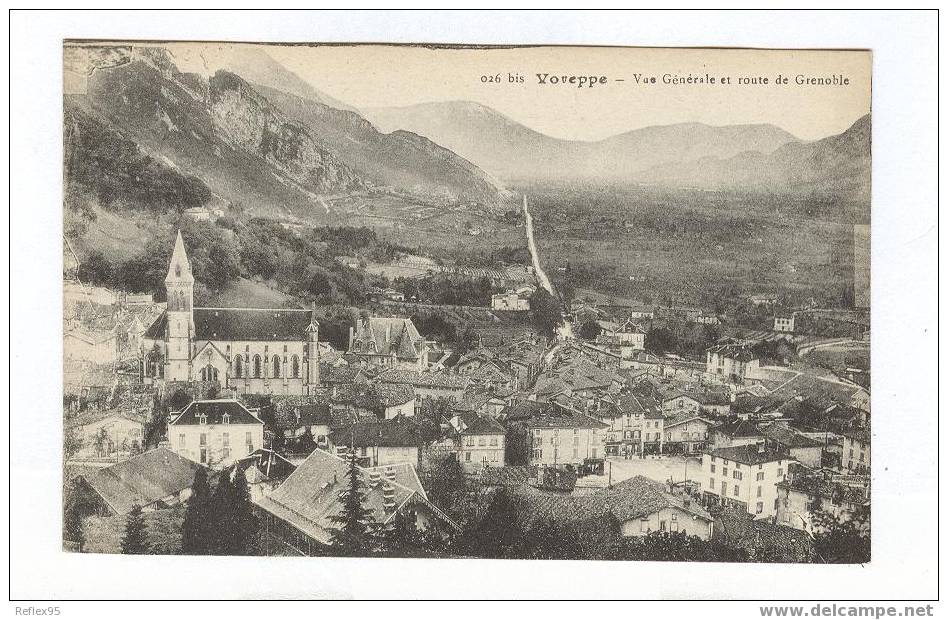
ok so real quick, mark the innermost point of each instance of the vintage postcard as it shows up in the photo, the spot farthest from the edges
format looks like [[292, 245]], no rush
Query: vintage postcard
[[526, 302]]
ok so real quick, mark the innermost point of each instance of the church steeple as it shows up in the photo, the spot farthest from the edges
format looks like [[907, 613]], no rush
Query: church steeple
[[179, 271]]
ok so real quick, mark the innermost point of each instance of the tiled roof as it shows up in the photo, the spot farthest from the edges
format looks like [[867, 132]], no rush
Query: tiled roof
[[393, 433], [560, 418], [297, 411], [736, 351], [749, 454], [683, 418], [630, 499], [91, 417], [142, 480], [739, 428], [786, 436], [475, 424], [309, 498], [817, 486], [237, 324], [421, 379], [373, 396], [215, 410]]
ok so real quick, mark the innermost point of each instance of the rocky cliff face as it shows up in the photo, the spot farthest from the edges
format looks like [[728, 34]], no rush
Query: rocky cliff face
[[249, 147]]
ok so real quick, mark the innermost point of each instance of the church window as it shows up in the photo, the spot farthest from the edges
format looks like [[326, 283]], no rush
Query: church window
[[177, 269], [238, 367], [256, 366], [295, 367], [276, 366]]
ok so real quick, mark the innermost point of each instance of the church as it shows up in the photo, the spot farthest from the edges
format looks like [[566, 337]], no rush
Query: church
[[246, 350]]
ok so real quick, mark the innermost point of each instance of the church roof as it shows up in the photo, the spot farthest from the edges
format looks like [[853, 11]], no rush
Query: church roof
[[234, 324], [388, 334]]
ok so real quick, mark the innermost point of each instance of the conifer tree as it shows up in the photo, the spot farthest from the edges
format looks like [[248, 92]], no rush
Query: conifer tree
[[197, 528], [72, 525], [134, 540], [221, 516], [353, 532], [244, 522]]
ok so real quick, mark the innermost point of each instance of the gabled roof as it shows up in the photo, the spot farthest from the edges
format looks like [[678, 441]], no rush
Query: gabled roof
[[739, 428], [421, 379], [788, 437], [684, 418], [309, 498], [92, 416], [388, 334], [736, 351], [475, 424], [298, 411], [213, 412], [143, 479]]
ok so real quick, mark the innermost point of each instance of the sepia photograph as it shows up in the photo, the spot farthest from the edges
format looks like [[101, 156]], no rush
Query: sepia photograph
[[519, 302]]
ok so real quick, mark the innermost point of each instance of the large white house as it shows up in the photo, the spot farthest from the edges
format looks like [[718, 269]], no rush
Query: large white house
[[215, 433], [744, 476]]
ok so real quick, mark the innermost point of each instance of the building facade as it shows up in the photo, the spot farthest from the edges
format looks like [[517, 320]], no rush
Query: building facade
[[246, 350], [745, 477], [215, 433]]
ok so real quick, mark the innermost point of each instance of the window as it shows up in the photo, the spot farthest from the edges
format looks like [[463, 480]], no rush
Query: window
[[738, 475], [469, 441], [203, 439], [643, 524], [225, 439], [592, 453], [238, 367], [737, 490], [249, 437], [760, 476], [482, 441], [467, 457], [760, 491], [711, 485], [295, 367], [256, 366], [493, 441], [724, 471], [575, 453], [276, 366], [575, 440], [202, 419], [780, 471], [760, 507], [712, 468], [181, 440], [226, 419], [661, 526]]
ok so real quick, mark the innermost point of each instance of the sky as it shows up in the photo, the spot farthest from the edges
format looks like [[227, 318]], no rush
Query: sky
[[370, 76]]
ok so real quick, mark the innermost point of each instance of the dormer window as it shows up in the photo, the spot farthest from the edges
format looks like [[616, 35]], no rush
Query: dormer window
[[202, 418], [226, 418]]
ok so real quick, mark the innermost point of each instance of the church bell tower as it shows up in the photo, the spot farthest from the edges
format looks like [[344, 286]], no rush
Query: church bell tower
[[179, 285]]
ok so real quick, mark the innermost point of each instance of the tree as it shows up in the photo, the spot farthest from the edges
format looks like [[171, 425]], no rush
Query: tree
[[197, 529], [498, 534], [244, 522], [134, 542], [545, 312], [589, 330], [516, 446], [352, 534], [72, 520], [306, 443], [842, 539]]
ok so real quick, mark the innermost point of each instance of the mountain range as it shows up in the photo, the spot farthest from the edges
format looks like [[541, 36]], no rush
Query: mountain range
[[275, 152], [253, 132], [757, 157]]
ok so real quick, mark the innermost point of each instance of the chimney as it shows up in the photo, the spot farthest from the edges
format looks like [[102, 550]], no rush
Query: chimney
[[298, 416], [390, 473], [761, 447], [375, 477], [388, 498], [351, 337]]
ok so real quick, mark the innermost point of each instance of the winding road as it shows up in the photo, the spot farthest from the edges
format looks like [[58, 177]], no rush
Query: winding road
[[565, 328]]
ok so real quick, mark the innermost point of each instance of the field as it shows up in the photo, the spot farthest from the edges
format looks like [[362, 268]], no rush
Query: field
[[701, 248]]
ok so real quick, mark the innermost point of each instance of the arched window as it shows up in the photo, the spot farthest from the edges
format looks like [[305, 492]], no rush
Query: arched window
[[295, 367], [238, 366], [276, 366], [256, 366]]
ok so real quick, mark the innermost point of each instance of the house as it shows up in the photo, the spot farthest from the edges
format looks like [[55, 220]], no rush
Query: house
[[676, 401], [388, 341], [743, 476], [784, 323], [736, 432], [300, 511], [560, 438], [380, 442], [110, 433], [638, 505], [686, 433], [480, 441], [246, 350], [152, 480], [855, 457], [95, 346], [294, 415], [783, 439], [801, 495], [264, 470], [761, 539], [512, 301], [427, 384], [382, 400], [627, 336], [215, 433], [731, 362]]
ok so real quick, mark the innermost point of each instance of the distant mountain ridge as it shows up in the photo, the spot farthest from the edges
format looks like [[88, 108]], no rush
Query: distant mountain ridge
[[510, 150]]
